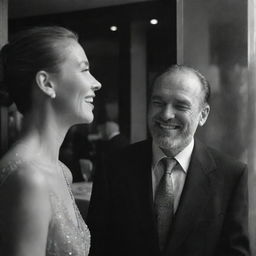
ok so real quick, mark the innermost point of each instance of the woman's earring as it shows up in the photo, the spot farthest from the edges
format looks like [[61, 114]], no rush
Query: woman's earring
[[53, 95]]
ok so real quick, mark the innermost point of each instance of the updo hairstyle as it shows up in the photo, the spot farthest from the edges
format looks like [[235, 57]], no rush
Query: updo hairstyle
[[30, 51]]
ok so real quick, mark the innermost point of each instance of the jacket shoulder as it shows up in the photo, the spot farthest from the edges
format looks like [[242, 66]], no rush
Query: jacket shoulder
[[227, 165], [212, 159], [225, 159]]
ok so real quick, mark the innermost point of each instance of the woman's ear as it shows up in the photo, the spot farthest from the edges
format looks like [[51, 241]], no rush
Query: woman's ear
[[45, 84]]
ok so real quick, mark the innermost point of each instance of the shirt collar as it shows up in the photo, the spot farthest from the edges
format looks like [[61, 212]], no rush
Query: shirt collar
[[183, 157], [113, 135]]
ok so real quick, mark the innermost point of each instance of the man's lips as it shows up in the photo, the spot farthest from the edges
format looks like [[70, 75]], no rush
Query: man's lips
[[168, 126]]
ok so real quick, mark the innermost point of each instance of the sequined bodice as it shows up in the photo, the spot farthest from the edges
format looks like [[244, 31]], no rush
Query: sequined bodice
[[64, 237]]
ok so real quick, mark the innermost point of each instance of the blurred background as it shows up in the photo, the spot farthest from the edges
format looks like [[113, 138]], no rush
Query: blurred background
[[127, 43]]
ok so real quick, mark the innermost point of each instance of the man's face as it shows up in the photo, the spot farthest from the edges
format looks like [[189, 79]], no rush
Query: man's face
[[176, 108]]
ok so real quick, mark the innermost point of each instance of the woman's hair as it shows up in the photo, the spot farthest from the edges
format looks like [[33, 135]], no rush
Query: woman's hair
[[31, 50]]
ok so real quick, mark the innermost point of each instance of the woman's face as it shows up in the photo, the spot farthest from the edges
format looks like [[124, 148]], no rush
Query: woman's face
[[74, 85]]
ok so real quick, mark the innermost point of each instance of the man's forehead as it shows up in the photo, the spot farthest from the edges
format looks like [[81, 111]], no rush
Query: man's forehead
[[178, 78], [179, 75], [182, 82]]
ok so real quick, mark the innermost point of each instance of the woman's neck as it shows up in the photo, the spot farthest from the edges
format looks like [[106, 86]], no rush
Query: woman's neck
[[43, 135]]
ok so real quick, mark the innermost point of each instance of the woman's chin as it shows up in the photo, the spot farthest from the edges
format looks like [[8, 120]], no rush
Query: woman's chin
[[88, 118]]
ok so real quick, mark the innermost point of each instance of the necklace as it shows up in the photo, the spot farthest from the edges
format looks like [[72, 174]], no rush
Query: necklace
[[71, 195]]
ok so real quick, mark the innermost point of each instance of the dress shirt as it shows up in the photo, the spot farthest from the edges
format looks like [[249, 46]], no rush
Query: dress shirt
[[179, 172]]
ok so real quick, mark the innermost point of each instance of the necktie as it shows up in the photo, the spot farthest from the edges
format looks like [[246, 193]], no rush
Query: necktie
[[164, 201]]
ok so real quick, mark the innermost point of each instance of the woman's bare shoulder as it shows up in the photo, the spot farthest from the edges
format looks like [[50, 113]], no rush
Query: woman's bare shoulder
[[22, 172], [26, 185], [26, 207]]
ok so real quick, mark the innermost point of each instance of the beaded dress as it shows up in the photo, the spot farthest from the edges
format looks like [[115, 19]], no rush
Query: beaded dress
[[64, 237]]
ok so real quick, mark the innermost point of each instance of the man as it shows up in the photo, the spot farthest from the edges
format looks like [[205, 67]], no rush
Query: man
[[198, 206], [112, 139]]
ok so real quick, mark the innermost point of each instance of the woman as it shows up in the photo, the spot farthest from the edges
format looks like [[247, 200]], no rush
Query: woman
[[47, 75]]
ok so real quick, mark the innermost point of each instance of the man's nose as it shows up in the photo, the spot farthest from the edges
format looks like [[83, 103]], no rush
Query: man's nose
[[167, 112]]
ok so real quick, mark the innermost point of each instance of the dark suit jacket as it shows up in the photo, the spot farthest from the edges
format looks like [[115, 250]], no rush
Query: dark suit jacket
[[106, 148], [211, 219], [116, 143]]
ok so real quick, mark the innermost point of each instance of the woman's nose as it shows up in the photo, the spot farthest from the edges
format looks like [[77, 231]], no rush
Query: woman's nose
[[96, 85]]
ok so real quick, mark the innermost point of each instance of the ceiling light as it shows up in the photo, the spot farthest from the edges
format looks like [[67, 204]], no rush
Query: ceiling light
[[113, 28], [153, 21]]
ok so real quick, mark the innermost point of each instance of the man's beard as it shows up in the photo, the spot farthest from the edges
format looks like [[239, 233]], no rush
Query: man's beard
[[170, 143]]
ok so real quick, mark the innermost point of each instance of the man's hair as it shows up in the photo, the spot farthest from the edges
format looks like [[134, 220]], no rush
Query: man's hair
[[177, 68]]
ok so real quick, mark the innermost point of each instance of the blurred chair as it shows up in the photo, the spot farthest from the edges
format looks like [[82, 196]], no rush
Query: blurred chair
[[82, 194], [86, 167]]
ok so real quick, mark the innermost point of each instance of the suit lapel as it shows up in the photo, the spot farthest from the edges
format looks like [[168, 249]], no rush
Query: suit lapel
[[195, 194]]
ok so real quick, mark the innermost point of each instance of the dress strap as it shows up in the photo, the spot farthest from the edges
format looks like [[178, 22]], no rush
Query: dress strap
[[9, 169]]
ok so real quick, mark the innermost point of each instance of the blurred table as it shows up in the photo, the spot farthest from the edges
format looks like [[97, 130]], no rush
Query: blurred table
[[82, 194]]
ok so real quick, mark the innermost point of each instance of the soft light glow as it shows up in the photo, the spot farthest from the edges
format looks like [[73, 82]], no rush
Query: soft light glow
[[153, 21], [113, 28]]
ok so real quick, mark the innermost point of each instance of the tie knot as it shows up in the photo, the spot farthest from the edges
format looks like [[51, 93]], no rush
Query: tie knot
[[169, 164]]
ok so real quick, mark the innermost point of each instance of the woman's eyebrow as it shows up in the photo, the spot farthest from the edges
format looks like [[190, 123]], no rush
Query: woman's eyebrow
[[85, 62]]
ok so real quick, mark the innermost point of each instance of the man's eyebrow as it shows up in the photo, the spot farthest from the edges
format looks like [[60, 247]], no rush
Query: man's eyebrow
[[184, 101], [156, 97]]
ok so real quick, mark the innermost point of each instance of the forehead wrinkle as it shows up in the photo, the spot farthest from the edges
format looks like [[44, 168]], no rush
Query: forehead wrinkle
[[164, 86], [169, 97], [177, 78]]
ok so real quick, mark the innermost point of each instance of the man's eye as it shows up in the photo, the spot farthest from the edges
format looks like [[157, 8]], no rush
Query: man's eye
[[157, 103], [182, 107]]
